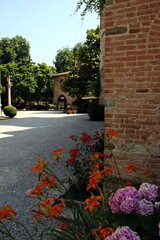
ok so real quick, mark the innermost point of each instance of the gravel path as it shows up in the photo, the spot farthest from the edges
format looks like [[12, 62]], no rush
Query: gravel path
[[21, 140]]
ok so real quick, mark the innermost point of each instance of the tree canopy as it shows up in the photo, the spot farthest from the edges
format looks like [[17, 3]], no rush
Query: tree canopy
[[90, 6], [30, 82], [83, 79]]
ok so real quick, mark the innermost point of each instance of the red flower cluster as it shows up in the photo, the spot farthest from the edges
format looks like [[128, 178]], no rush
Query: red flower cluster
[[86, 137], [74, 153]]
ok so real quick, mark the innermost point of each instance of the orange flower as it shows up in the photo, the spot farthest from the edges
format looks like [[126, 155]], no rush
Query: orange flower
[[37, 190], [146, 172], [38, 213], [55, 210], [46, 203], [92, 202], [103, 232], [49, 181], [107, 171], [128, 184], [96, 165], [96, 155], [130, 168], [63, 226], [56, 153], [94, 178], [39, 166], [110, 133], [6, 212]]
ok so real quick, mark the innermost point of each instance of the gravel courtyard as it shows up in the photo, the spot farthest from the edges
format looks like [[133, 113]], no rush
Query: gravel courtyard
[[26, 136]]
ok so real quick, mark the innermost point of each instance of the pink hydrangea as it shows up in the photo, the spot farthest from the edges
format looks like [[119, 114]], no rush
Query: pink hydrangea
[[145, 207], [125, 200], [123, 233], [148, 191]]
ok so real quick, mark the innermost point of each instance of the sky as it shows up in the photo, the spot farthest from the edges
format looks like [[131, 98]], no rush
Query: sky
[[48, 25]]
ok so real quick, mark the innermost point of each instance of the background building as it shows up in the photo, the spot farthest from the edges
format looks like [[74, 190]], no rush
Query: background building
[[61, 100]]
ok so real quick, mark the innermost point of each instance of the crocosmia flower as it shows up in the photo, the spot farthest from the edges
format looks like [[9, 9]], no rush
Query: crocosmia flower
[[123, 233], [124, 200], [148, 191]]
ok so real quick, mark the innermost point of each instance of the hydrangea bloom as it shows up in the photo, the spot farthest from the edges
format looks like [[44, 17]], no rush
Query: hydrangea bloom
[[148, 191], [145, 207], [125, 200], [123, 233]]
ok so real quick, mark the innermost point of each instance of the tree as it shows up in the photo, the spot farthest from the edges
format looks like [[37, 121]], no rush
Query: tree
[[90, 6], [84, 79], [14, 50], [16, 62], [30, 82], [23, 83], [64, 60], [44, 83]]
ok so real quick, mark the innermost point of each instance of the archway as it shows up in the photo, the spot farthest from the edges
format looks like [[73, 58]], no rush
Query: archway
[[62, 103]]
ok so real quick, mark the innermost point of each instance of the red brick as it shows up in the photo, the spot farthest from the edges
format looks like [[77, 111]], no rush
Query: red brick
[[131, 78]]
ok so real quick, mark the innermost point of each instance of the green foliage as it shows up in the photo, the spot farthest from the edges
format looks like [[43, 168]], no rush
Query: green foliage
[[74, 84], [23, 82], [96, 111], [90, 6], [64, 60], [44, 83], [78, 165], [14, 50], [30, 82], [84, 78], [10, 111], [1, 89]]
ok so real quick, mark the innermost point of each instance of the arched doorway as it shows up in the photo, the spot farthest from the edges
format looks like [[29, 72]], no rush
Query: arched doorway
[[62, 103]]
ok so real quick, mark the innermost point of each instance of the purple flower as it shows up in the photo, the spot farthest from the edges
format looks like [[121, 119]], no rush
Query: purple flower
[[123, 233], [148, 191], [125, 200], [145, 207], [92, 144]]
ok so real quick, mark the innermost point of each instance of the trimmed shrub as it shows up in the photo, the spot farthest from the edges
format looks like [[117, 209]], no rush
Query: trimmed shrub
[[10, 111], [96, 111]]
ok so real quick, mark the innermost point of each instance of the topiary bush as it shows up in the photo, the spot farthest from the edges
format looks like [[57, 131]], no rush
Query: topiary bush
[[96, 111], [10, 111]]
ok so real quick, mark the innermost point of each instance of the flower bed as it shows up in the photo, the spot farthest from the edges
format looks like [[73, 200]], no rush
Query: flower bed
[[109, 210]]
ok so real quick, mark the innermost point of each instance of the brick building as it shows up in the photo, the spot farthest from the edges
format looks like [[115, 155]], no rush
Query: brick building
[[60, 99], [130, 79]]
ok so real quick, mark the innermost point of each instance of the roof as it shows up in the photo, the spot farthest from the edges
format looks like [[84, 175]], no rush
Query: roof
[[60, 74]]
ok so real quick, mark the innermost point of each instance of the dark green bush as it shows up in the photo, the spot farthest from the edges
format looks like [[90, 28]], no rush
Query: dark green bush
[[10, 111], [96, 111]]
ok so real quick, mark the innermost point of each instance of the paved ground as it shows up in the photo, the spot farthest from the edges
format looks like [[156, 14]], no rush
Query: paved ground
[[21, 140]]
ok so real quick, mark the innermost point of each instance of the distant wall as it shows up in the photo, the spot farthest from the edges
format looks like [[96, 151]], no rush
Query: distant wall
[[130, 79]]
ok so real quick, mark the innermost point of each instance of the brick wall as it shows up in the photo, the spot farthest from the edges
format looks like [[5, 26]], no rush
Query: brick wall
[[130, 79]]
